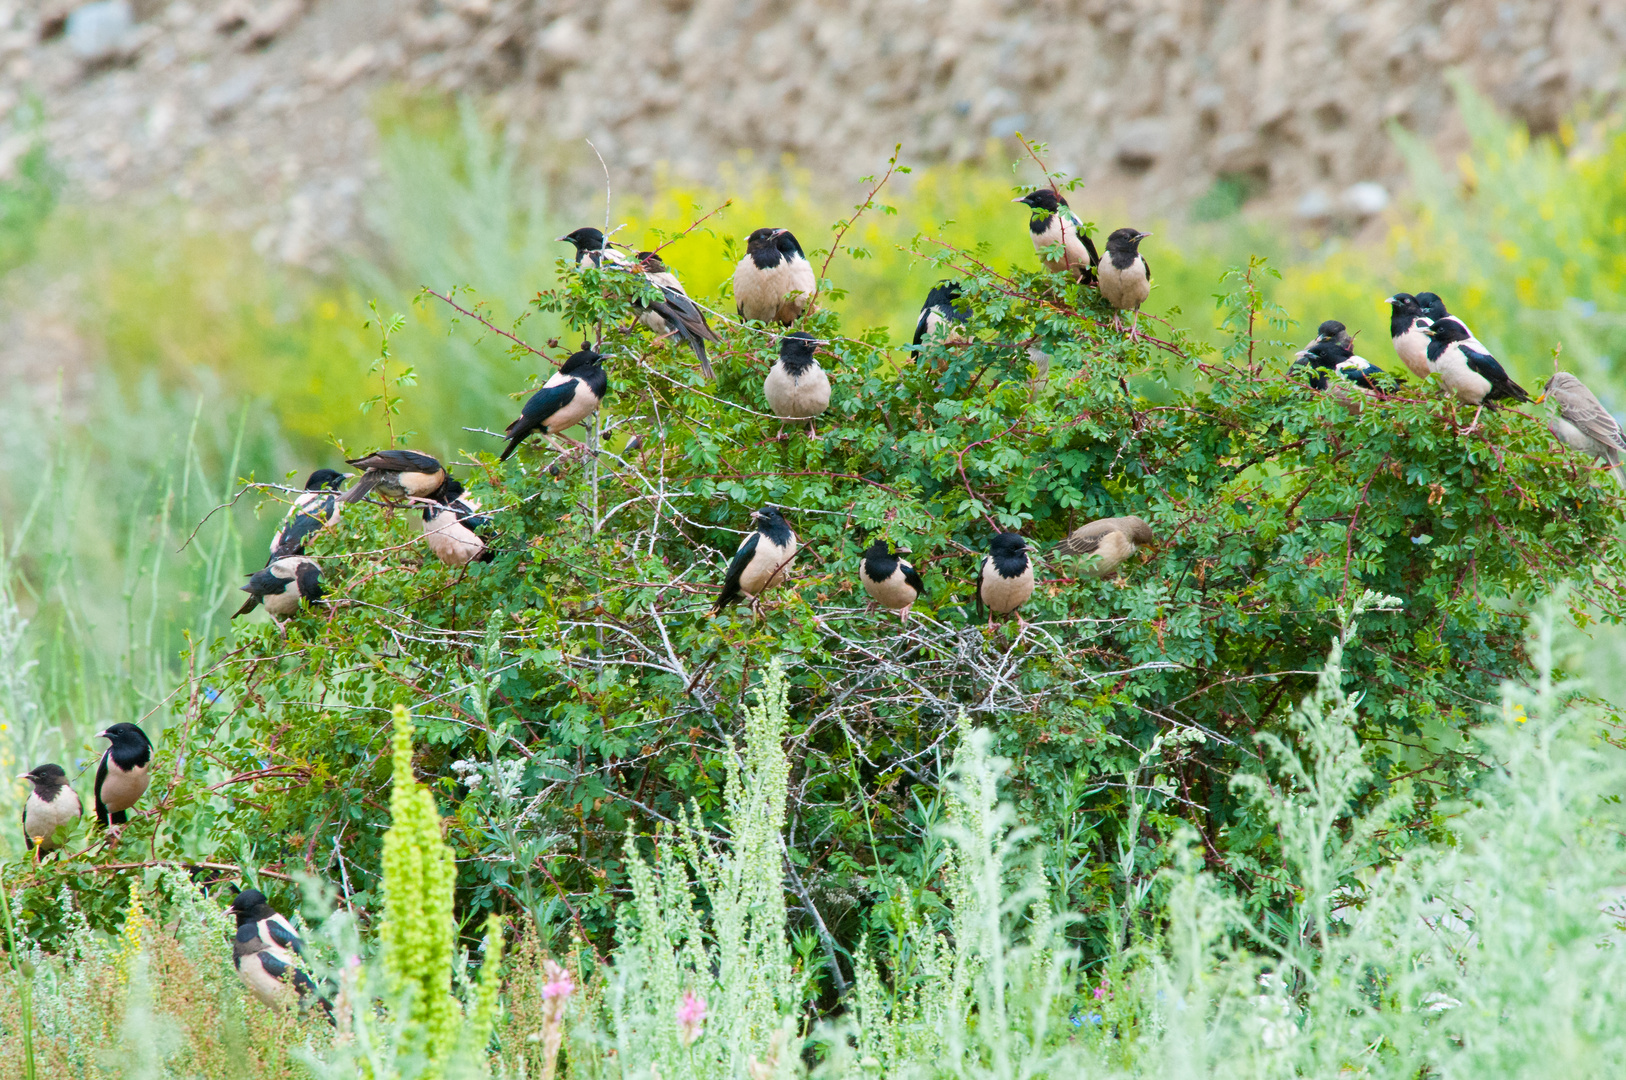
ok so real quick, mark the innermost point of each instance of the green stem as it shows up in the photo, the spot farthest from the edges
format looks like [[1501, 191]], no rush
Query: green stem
[[25, 989]]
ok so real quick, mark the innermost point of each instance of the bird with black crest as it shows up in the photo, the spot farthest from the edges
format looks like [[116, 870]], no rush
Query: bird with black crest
[[267, 953], [51, 804], [1475, 376], [1583, 423], [1053, 222], [314, 509], [1334, 331], [1408, 329], [762, 561], [773, 282], [674, 314], [282, 587], [1005, 578], [123, 773], [943, 312], [1125, 277], [452, 527], [570, 396], [797, 388], [397, 475], [889, 578]]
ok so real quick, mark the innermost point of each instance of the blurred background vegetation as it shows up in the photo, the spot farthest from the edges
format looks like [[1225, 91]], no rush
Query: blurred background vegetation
[[200, 363]]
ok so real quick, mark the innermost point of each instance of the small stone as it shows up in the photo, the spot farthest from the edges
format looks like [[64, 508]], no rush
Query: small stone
[[1141, 143], [1314, 205], [1365, 198], [270, 21], [97, 32]]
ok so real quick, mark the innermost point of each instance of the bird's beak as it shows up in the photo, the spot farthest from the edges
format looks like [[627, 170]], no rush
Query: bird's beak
[[103, 735], [564, 239], [1389, 300], [1540, 399], [1020, 198], [756, 515], [1143, 236], [777, 233], [26, 776]]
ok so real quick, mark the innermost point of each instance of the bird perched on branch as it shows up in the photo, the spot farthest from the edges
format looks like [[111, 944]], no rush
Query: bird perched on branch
[[889, 579], [797, 387], [1470, 373], [1583, 423], [451, 527], [774, 282], [1433, 309], [266, 953], [1327, 356], [122, 774], [676, 314], [1110, 540], [571, 395], [51, 805], [282, 585], [1005, 579], [396, 474], [314, 509], [1409, 334], [762, 561], [1053, 222], [941, 310], [1333, 330], [1124, 276], [673, 314]]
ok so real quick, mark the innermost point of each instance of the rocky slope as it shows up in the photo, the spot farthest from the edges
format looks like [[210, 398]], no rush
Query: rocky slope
[[259, 108]]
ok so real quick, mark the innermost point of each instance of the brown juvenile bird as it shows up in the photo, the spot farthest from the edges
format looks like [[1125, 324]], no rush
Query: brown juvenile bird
[[1583, 423], [1124, 276], [774, 282], [1110, 540], [50, 805]]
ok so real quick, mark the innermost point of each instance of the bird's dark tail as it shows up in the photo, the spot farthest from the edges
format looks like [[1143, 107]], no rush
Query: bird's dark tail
[[363, 487], [248, 605], [513, 444]]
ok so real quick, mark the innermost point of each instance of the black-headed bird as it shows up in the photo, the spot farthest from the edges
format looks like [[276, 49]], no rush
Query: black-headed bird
[[762, 561], [797, 387], [941, 310], [1333, 330], [123, 773], [1005, 578], [1583, 423], [571, 395], [1410, 336], [314, 509], [1124, 276], [889, 579], [1473, 375], [673, 314], [1326, 356], [396, 474], [282, 585], [1433, 309], [451, 527], [266, 951], [1053, 222], [1110, 540], [50, 805], [774, 282]]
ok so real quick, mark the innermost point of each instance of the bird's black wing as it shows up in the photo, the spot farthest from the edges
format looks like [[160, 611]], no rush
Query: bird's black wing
[[912, 577], [397, 461], [736, 570], [309, 577], [103, 815], [277, 930], [921, 324], [1486, 366], [534, 416], [301, 525], [1144, 265], [687, 321]]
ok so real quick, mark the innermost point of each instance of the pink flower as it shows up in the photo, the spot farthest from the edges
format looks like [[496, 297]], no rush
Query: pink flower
[[1101, 991], [559, 985], [691, 1018]]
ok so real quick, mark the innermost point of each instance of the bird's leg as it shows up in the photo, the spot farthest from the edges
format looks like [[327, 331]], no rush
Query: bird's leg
[[1134, 324], [1117, 323], [1473, 427], [812, 431]]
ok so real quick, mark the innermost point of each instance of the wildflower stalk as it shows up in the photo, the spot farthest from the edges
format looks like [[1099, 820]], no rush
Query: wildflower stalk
[[419, 928]]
